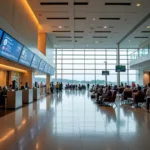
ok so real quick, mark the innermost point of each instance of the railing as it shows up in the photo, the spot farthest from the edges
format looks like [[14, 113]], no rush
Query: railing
[[140, 52]]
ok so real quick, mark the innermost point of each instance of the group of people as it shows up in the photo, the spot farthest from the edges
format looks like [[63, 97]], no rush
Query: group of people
[[75, 87], [59, 87], [136, 92]]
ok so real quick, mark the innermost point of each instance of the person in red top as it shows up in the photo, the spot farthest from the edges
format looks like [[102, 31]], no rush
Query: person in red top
[[133, 85]]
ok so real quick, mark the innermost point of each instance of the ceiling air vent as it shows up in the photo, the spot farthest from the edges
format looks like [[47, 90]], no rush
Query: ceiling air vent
[[81, 3], [54, 3], [80, 18], [79, 31], [141, 37], [102, 37], [102, 31], [61, 31], [63, 37], [78, 37], [118, 4], [64, 40], [109, 18], [53, 18], [145, 31]]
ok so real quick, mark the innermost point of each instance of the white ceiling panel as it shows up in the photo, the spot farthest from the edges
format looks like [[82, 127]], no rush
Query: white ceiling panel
[[94, 16]]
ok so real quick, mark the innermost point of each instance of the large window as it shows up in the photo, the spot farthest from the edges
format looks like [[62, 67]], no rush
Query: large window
[[86, 65]]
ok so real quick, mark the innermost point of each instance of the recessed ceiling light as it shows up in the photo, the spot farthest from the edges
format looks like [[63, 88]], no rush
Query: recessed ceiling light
[[148, 27], [86, 45], [94, 19], [138, 4], [96, 41], [129, 40], [105, 27], [60, 27]]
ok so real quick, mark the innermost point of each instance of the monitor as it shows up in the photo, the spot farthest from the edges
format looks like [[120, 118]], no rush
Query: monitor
[[42, 65], [1, 33], [26, 57], [10, 48], [46, 68], [105, 72], [35, 62], [120, 68], [49, 69]]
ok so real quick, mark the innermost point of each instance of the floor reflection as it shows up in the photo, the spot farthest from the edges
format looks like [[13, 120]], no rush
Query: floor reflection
[[70, 120]]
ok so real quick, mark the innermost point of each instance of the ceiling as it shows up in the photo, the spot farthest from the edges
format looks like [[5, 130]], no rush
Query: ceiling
[[92, 23]]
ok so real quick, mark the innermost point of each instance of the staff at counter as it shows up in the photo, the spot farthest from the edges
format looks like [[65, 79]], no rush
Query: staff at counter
[[12, 97]]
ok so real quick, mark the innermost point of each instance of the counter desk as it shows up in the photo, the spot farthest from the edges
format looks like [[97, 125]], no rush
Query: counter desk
[[27, 96], [14, 99], [36, 93]]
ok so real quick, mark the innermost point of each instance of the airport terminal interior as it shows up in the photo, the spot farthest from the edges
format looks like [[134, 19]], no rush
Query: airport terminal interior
[[74, 74]]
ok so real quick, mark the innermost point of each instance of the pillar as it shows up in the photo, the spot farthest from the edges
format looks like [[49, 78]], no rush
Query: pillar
[[118, 63], [29, 77], [55, 66], [48, 83], [42, 43]]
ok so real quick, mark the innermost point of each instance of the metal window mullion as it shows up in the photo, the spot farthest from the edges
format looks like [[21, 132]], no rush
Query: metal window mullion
[[84, 65], [95, 64], [55, 65], [127, 67]]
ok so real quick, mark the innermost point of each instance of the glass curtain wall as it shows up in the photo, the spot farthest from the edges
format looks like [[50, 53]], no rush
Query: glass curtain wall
[[86, 65]]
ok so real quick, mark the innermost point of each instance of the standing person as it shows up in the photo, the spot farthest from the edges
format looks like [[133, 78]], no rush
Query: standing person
[[57, 87], [133, 85], [61, 86], [148, 97], [88, 85], [41, 84]]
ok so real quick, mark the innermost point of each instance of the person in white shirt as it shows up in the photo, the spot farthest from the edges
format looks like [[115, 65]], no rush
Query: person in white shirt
[[148, 97]]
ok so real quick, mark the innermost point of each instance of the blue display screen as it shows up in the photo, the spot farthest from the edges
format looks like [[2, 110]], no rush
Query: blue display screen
[[42, 65], [52, 71], [10, 48], [49, 70], [1, 33], [26, 57], [35, 62], [46, 68]]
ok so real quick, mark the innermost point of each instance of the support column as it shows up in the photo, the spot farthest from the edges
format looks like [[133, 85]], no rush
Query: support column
[[48, 83], [28, 77], [118, 63], [42, 43], [55, 66], [128, 67]]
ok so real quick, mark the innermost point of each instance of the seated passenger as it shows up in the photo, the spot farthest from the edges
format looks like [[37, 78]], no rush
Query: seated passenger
[[99, 93], [127, 93], [107, 95], [139, 96]]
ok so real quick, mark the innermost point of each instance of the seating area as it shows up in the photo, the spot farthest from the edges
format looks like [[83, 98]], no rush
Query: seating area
[[108, 95]]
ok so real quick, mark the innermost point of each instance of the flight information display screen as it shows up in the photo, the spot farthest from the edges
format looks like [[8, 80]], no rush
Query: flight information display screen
[[1, 33], [105, 72], [35, 62], [42, 65], [46, 68], [26, 57], [120, 68], [10, 48]]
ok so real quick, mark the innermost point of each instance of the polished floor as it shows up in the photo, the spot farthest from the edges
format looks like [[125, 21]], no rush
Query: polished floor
[[72, 121]]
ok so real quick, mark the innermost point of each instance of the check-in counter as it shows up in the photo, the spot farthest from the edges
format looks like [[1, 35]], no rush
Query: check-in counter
[[36, 93], [14, 99], [42, 90], [27, 96]]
